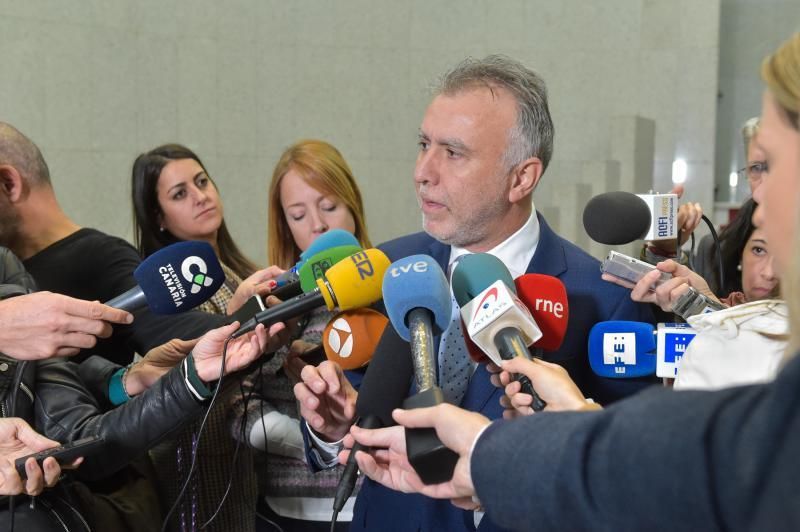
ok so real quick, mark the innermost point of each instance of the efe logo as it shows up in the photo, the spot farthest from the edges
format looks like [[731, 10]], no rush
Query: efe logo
[[199, 279], [340, 338]]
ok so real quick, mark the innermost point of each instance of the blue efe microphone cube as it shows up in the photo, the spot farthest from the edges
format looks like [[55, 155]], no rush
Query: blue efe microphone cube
[[174, 279], [622, 349]]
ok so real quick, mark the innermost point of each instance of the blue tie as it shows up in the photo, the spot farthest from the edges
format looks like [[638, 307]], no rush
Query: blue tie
[[454, 362]]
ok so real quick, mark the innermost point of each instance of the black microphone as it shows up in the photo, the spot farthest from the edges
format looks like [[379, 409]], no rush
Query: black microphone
[[383, 389]]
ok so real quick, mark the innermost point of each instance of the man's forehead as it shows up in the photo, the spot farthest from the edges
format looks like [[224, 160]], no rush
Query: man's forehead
[[474, 106]]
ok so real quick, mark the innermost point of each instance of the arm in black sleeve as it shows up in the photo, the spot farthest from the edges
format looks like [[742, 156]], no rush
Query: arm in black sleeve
[[66, 411], [662, 460], [95, 372]]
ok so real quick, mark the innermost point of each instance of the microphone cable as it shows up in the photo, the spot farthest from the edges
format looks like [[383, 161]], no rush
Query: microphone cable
[[718, 250], [182, 491]]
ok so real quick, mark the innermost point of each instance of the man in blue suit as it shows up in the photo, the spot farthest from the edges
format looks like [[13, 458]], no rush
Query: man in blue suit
[[485, 142]]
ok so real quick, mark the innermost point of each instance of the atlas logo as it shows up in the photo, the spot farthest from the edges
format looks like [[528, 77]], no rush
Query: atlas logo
[[199, 279], [340, 338], [489, 298]]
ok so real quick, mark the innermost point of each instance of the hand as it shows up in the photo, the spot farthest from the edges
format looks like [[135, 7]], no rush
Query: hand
[[551, 382], [666, 293], [43, 325], [327, 400], [388, 464], [155, 364], [259, 283], [242, 351], [294, 363], [18, 439]]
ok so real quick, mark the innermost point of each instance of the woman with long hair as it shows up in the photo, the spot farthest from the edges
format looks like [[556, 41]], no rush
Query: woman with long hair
[[312, 191]]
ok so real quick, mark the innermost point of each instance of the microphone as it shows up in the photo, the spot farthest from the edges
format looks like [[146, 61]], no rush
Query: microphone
[[625, 349], [672, 339], [417, 299], [383, 389], [497, 321], [546, 298], [350, 337], [352, 283], [328, 239], [174, 279], [622, 349], [616, 218], [305, 278]]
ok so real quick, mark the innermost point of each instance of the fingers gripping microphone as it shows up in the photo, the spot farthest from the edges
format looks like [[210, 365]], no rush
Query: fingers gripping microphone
[[616, 218], [174, 279], [305, 278], [546, 298], [383, 389], [417, 299], [350, 337], [497, 321], [352, 283]]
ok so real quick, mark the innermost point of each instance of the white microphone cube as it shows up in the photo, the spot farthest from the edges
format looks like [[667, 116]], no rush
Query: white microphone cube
[[672, 339], [494, 309], [663, 216]]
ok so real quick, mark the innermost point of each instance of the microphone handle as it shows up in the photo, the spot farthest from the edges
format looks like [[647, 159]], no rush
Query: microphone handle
[[287, 290], [422, 353], [288, 309], [347, 482], [509, 343], [132, 300]]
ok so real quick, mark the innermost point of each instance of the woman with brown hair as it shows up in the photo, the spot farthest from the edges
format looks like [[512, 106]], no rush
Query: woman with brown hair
[[312, 191]]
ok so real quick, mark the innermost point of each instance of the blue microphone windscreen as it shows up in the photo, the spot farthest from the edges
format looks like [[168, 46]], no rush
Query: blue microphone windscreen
[[416, 282], [329, 239], [179, 277], [622, 349], [475, 273]]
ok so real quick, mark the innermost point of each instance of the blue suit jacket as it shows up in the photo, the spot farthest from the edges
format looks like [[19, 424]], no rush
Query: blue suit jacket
[[688, 460], [591, 300]]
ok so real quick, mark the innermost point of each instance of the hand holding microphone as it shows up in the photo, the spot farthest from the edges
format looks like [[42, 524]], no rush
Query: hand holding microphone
[[417, 299], [497, 321]]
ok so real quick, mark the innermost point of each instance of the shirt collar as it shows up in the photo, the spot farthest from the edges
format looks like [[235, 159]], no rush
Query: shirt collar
[[516, 252]]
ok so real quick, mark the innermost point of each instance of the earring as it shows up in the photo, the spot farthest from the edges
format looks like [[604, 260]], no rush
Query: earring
[[739, 267], [161, 228]]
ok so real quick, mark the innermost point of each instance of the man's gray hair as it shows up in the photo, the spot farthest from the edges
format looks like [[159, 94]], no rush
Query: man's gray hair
[[20, 152], [749, 130], [533, 134]]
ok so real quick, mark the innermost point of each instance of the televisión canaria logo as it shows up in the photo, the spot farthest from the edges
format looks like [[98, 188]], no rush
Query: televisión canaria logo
[[173, 283]]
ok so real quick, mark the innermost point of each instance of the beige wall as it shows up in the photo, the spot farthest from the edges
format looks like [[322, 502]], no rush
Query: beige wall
[[97, 82]]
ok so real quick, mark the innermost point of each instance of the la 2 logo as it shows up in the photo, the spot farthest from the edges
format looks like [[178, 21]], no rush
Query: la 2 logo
[[363, 265]]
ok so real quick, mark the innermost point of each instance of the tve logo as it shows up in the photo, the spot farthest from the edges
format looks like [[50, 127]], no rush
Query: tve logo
[[418, 267], [619, 349]]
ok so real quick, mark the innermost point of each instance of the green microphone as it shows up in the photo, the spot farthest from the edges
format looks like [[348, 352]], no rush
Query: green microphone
[[316, 265]]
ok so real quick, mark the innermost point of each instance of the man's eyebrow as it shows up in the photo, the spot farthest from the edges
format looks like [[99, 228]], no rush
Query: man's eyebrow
[[455, 143]]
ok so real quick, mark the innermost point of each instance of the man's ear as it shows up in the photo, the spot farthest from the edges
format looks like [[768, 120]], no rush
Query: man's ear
[[524, 178], [11, 183]]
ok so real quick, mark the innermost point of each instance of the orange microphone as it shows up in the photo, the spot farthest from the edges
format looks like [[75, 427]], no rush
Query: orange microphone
[[351, 336]]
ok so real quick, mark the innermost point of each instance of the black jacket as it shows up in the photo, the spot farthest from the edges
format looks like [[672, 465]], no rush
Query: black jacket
[[52, 397]]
